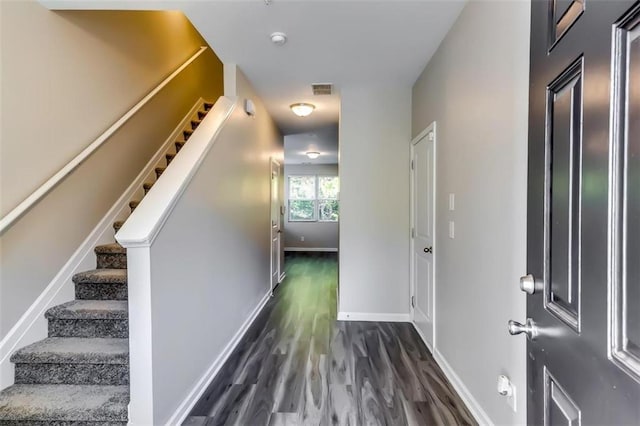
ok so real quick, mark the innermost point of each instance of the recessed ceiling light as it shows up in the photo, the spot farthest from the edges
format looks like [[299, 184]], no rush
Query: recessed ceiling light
[[313, 155], [302, 109], [278, 38]]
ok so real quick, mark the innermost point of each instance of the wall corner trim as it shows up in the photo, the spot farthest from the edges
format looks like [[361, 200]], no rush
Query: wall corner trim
[[201, 385], [472, 404], [369, 316]]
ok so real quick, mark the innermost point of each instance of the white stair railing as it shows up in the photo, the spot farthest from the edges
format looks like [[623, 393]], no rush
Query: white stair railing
[[15, 214]]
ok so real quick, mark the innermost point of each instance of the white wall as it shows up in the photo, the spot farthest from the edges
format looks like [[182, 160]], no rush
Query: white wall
[[476, 88], [374, 202], [210, 263], [320, 235]]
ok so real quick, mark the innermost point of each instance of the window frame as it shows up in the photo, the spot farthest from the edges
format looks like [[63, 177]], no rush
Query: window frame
[[316, 200]]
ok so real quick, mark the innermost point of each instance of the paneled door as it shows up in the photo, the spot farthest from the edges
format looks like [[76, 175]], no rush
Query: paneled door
[[583, 302], [276, 222], [422, 232]]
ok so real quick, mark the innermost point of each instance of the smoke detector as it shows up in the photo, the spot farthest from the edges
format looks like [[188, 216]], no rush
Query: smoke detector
[[278, 38]]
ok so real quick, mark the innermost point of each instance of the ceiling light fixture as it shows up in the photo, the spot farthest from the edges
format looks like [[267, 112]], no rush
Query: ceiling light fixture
[[313, 155], [302, 109], [278, 38]]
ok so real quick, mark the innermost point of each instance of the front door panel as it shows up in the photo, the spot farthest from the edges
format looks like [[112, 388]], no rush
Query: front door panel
[[563, 147], [583, 217], [625, 309]]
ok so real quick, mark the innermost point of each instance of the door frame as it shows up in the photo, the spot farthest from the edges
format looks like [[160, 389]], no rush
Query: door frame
[[275, 166], [431, 128]]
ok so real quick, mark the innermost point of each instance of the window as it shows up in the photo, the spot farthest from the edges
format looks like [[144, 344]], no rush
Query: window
[[313, 198]]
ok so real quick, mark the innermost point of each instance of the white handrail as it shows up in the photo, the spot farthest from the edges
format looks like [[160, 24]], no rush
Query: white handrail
[[54, 180], [142, 227]]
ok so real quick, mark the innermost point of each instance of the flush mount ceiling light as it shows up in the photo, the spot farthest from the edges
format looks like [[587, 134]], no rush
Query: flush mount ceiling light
[[302, 109], [278, 38], [313, 155]]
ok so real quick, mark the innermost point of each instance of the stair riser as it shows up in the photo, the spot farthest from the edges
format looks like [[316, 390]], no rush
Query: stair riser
[[116, 328], [91, 291], [72, 374], [112, 261]]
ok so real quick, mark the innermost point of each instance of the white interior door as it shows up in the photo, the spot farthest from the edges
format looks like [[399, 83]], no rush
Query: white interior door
[[422, 231], [275, 231]]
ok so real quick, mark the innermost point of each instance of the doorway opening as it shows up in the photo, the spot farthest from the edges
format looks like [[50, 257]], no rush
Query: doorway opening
[[311, 211]]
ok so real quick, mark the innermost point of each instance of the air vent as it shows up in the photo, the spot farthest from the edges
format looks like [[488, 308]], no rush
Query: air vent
[[322, 88]]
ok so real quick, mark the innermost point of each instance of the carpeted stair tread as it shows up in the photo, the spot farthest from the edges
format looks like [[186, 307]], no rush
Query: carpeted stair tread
[[169, 158], [90, 309], [208, 106], [101, 276], [179, 145], [64, 403], [113, 248], [133, 205], [74, 350], [118, 224]]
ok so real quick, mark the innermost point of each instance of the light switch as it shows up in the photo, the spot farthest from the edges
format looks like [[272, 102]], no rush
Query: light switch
[[452, 201], [452, 229]]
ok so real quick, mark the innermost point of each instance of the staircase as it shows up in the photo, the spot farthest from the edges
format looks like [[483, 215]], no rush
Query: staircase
[[80, 373]]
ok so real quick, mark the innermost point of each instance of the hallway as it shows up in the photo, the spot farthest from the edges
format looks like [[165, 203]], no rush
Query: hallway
[[298, 365]]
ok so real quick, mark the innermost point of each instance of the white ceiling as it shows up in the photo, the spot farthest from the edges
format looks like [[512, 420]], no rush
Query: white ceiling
[[342, 42], [323, 140], [345, 42]]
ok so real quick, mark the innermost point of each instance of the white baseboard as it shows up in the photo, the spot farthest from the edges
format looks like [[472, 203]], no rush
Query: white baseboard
[[424, 340], [32, 326], [365, 316], [325, 249], [201, 386], [472, 404], [282, 277]]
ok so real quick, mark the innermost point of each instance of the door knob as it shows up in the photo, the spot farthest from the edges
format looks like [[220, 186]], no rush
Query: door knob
[[529, 328], [428, 249], [528, 284]]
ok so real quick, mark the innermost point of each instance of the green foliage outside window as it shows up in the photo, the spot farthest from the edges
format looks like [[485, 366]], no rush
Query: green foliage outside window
[[314, 198]]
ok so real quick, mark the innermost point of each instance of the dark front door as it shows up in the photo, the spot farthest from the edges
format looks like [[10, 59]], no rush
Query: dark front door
[[584, 214]]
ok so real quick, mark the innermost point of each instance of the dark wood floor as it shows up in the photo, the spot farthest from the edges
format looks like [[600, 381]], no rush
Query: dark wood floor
[[297, 365]]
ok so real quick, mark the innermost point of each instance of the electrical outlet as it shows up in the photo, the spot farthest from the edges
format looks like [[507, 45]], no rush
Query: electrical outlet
[[507, 389], [301, 238]]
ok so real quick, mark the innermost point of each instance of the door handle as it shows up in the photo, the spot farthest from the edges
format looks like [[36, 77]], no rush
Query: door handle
[[529, 328], [528, 284], [428, 250]]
